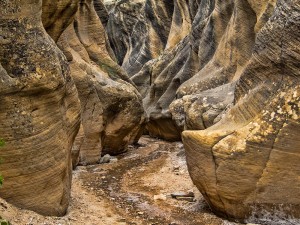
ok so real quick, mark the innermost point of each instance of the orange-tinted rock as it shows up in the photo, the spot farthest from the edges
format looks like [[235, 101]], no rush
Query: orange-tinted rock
[[40, 112]]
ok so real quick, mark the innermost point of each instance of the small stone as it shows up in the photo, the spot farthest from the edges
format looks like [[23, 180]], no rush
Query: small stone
[[105, 159], [113, 160], [188, 199], [176, 168], [160, 197], [182, 194], [140, 213]]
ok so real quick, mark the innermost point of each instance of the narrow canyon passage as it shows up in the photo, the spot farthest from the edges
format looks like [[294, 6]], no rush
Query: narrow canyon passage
[[135, 189], [215, 84]]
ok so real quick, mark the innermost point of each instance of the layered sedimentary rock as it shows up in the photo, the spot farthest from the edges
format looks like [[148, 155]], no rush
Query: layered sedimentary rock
[[39, 112], [152, 79], [58, 15], [149, 36], [122, 20], [246, 165], [229, 68], [112, 112], [200, 64], [101, 11]]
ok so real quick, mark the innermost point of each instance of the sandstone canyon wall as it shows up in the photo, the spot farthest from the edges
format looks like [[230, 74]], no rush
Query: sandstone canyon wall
[[112, 112], [225, 73], [45, 94], [245, 164], [39, 112], [231, 69]]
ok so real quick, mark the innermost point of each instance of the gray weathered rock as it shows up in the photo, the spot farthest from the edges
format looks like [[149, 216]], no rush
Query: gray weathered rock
[[121, 24], [149, 36]]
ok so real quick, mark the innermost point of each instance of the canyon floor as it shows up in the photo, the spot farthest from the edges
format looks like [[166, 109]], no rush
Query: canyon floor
[[135, 189]]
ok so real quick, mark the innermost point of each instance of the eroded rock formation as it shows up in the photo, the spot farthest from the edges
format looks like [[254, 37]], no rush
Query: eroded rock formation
[[58, 15], [112, 112], [246, 164], [121, 24], [39, 112], [229, 68], [149, 36]]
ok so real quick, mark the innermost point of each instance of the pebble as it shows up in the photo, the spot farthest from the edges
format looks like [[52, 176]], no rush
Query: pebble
[[176, 168], [105, 159], [182, 194], [112, 160], [160, 197]]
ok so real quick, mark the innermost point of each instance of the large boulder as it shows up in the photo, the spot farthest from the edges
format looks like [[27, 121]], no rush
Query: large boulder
[[112, 111], [247, 164], [39, 112]]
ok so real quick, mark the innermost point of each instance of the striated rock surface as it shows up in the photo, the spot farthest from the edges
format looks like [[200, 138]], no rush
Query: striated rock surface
[[121, 24], [157, 33], [149, 36], [246, 165], [39, 112], [112, 112], [101, 11], [200, 65], [229, 68], [58, 15]]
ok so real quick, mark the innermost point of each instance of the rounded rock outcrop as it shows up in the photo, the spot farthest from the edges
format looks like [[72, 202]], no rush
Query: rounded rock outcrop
[[246, 164], [112, 111], [40, 112]]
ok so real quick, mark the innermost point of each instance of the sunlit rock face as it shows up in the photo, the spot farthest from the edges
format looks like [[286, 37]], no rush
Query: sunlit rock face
[[112, 112], [246, 165], [39, 112], [230, 69]]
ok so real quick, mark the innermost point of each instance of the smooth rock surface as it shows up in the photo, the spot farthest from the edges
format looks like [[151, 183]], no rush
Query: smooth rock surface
[[112, 112], [246, 165], [39, 112]]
